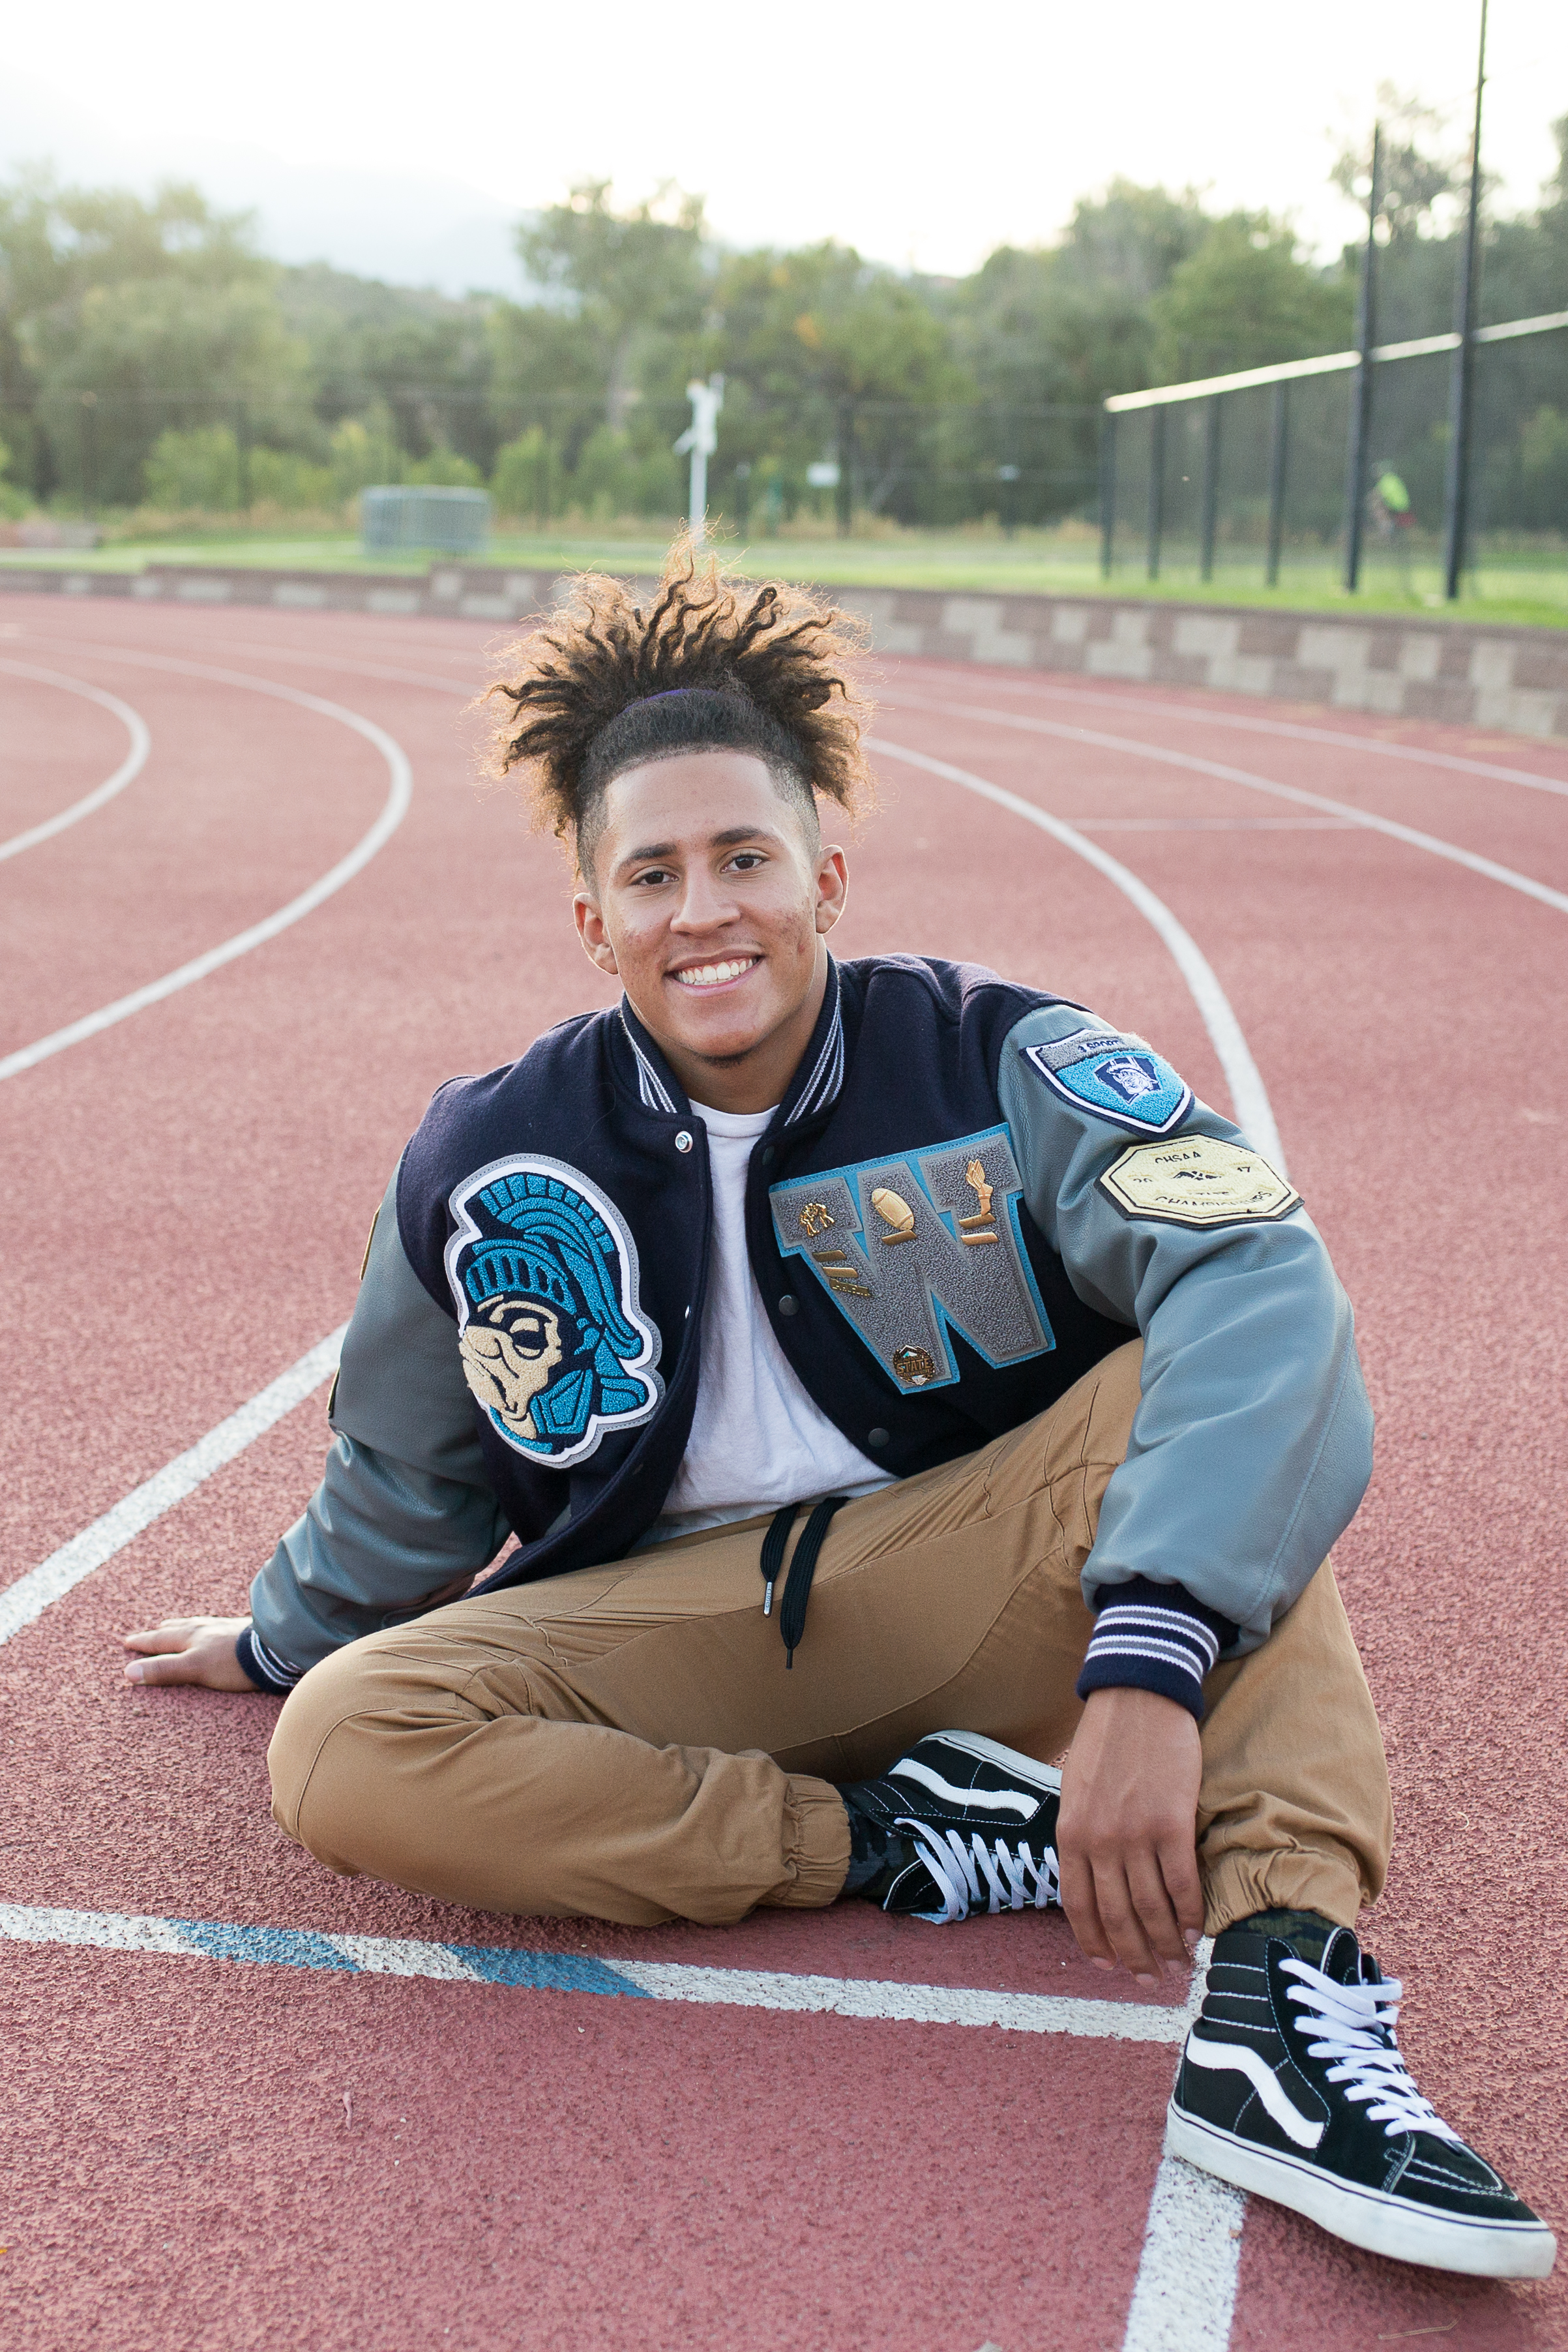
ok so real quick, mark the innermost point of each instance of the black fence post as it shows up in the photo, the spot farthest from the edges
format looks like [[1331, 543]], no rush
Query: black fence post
[[844, 495], [1461, 380], [89, 451], [242, 456], [1361, 398], [1156, 486], [1210, 493], [1107, 489], [1279, 442]]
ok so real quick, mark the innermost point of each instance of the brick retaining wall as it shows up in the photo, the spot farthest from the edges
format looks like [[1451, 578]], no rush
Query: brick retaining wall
[[1467, 673]]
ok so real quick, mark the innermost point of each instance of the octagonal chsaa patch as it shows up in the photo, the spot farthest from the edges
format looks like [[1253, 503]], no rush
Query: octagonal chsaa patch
[[1197, 1180]]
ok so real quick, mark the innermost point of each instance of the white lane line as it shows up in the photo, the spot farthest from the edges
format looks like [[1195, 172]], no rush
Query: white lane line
[[819, 1996], [400, 792], [31, 1594], [1212, 824], [1292, 731], [1188, 760], [913, 2004], [1249, 1096], [1184, 2297], [131, 765], [378, 670]]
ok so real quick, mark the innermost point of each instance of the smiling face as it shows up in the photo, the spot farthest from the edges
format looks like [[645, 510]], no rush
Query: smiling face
[[711, 904]]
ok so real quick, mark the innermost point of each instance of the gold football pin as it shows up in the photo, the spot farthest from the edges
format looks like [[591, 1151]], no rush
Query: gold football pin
[[895, 1212]]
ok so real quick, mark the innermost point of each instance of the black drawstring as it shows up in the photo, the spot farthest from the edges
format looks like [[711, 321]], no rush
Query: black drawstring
[[802, 1568], [773, 1544]]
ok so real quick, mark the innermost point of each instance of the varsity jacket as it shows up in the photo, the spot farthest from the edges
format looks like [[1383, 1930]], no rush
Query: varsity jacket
[[969, 1194]]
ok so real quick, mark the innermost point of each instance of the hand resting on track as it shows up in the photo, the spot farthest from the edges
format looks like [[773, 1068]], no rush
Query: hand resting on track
[[1126, 1833], [190, 1649]]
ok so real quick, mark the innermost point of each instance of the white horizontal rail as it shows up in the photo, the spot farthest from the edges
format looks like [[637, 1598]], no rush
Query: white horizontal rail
[[1208, 387]]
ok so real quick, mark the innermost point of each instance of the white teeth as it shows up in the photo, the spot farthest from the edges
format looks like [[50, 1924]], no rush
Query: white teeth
[[713, 975]]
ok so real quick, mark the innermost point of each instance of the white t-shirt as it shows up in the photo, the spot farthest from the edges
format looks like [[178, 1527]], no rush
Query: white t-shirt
[[758, 1440]]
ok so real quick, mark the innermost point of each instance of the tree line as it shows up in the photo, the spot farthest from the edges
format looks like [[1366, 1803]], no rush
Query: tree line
[[151, 354]]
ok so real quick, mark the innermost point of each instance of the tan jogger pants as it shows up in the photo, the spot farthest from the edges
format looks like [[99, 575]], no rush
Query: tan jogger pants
[[625, 1743]]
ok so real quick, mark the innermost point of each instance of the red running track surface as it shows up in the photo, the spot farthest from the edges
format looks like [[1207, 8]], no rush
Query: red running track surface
[[187, 1198]]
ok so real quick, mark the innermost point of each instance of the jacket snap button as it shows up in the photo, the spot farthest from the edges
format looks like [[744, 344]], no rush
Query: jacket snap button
[[877, 1437], [682, 1140], [769, 1155], [789, 1304]]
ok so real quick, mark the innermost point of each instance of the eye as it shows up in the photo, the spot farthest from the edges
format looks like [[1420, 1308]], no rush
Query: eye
[[746, 859], [654, 875]]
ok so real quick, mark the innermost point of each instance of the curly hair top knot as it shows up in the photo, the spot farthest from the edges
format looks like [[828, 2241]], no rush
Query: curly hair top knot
[[712, 663]]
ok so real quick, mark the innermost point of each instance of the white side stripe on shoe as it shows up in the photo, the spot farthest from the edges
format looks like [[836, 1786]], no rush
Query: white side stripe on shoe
[[1234, 2057], [990, 1801]]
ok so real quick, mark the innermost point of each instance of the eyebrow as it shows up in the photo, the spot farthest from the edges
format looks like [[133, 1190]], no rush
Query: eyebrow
[[731, 838]]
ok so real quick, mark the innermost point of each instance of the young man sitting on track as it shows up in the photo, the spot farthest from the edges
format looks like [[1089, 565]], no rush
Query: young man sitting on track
[[890, 1375]]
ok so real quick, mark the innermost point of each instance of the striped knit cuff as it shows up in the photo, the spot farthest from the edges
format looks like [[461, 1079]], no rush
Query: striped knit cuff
[[1153, 1637], [266, 1670]]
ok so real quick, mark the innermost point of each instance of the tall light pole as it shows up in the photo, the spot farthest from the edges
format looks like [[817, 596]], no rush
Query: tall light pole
[[701, 438], [1463, 376]]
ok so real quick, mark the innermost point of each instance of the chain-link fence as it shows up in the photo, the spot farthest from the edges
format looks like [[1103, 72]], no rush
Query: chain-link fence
[[843, 462], [1251, 476], [1241, 476]]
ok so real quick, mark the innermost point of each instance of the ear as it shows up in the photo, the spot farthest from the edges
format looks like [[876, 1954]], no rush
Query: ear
[[832, 886], [590, 930]]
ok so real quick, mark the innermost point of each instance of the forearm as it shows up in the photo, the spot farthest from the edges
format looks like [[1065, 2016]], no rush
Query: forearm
[[378, 1542]]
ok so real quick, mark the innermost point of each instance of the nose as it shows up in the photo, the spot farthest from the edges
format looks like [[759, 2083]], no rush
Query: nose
[[706, 905]]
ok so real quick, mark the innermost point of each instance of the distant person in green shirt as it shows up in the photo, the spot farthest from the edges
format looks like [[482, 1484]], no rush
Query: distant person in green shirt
[[1393, 517]]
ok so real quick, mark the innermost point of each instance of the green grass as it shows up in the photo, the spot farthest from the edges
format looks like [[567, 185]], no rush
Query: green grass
[[1507, 586]]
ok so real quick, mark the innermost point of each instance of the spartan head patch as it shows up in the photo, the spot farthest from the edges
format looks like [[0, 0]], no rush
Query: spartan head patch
[[554, 1344], [1120, 1080], [919, 1244]]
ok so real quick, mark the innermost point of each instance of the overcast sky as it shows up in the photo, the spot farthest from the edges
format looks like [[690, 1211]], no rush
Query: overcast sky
[[403, 140]]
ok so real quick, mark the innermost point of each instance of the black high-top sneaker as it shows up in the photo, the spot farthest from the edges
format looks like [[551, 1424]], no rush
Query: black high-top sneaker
[[1292, 2084], [961, 1824]]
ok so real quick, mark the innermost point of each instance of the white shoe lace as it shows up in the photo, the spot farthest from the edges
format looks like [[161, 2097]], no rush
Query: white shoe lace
[[1355, 2024], [1014, 1878]]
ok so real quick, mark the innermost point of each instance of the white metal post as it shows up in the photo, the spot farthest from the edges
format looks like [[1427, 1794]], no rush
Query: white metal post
[[701, 438]]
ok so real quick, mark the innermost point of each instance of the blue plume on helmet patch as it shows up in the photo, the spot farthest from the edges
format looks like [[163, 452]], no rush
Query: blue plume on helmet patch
[[555, 1347]]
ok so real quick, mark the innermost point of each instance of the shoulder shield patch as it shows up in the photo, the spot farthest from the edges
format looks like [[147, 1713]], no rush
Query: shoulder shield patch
[[555, 1347], [1197, 1180], [1120, 1080]]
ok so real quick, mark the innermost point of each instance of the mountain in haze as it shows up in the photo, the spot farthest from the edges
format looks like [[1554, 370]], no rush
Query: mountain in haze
[[398, 227]]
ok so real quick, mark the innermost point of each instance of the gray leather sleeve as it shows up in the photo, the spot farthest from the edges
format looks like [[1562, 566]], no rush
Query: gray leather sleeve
[[1251, 1447], [403, 1510]]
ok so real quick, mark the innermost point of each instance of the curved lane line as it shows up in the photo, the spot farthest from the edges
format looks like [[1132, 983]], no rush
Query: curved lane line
[[1295, 731], [1164, 757], [53, 1577], [1249, 1096], [294, 654], [131, 766], [400, 792]]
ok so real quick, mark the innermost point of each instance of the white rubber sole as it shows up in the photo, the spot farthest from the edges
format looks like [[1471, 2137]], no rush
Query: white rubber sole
[[1010, 1759], [1365, 2217]]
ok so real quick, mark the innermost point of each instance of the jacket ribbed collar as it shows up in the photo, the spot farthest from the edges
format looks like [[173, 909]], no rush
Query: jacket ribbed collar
[[818, 1075]]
